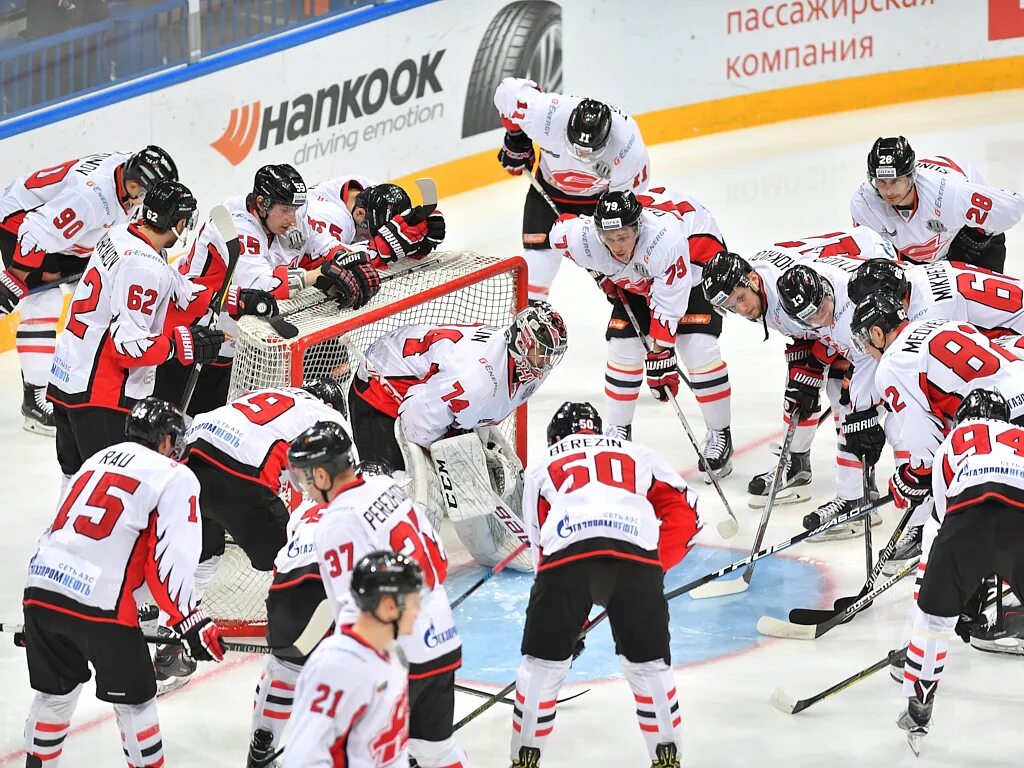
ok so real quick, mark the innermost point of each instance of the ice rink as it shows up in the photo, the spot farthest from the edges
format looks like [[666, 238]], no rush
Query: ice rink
[[763, 185]]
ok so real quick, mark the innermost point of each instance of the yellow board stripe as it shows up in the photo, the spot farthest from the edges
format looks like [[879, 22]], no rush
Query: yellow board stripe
[[744, 111]]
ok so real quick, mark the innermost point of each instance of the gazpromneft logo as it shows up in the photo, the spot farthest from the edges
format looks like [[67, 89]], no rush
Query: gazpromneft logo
[[336, 104]]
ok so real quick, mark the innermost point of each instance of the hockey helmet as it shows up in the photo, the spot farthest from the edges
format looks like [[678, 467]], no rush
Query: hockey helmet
[[536, 341], [802, 295], [382, 202], [168, 203], [573, 419], [891, 158], [330, 392], [278, 184], [374, 467], [325, 445], [385, 574], [983, 404], [616, 210], [589, 128], [149, 166], [151, 419], [725, 273], [879, 309], [877, 275]]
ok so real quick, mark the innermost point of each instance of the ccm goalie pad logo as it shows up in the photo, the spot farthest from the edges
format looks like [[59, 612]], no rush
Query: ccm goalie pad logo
[[501, 513]]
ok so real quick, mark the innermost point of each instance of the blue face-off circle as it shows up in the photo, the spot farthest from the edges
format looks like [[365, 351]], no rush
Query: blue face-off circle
[[491, 620]]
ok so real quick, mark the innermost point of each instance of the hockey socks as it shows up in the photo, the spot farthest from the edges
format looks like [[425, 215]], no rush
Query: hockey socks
[[533, 714]]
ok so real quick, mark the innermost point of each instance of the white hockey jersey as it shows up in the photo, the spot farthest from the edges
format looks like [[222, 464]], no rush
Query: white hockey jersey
[[259, 265], [115, 334], [929, 368], [623, 164], [374, 513], [449, 376], [249, 436], [351, 708], [952, 290], [338, 218], [659, 267], [703, 235], [980, 460], [596, 496], [129, 518], [64, 209], [297, 561], [947, 199]]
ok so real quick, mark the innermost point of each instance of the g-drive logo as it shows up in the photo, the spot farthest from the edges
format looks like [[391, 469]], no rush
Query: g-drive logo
[[335, 105]]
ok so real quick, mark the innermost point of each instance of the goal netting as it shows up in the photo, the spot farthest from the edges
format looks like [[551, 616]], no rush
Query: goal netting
[[453, 287]]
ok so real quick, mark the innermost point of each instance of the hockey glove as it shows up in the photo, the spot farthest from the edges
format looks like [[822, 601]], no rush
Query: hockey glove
[[798, 351], [803, 390], [610, 288], [201, 637], [663, 374], [403, 235], [195, 344], [249, 301], [910, 487], [969, 243], [12, 290], [864, 435], [350, 279], [517, 153]]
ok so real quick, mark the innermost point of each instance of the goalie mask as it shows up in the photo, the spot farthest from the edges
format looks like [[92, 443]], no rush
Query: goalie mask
[[536, 341]]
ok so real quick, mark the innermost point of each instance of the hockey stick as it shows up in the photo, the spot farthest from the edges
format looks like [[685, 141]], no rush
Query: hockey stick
[[726, 528], [485, 695], [228, 645], [55, 283], [222, 221], [428, 192], [769, 625], [735, 586], [867, 478], [487, 576], [838, 520], [783, 702]]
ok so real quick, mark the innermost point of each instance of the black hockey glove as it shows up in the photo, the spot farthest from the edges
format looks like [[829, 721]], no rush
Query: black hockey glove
[[968, 244], [436, 232], [201, 637], [803, 391], [516, 154], [910, 487], [250, 301], [195, 344], [349, 278], [12, 290], [403, 235], [864, 435]]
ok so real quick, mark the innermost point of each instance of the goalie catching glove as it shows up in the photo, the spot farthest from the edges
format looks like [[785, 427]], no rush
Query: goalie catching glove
[[413, 234], [195, 344], [663, 373], [350, 279], [910, 487], [249, 301], [201, 637]]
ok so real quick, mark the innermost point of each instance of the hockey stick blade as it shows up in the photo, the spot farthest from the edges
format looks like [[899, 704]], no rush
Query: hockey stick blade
[[428, 193], [283, 328], [317, 626], [728, 528], [783, 702], [720, 589]]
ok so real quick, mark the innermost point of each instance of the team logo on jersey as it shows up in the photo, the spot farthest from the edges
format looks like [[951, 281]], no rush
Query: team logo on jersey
[[935, 225], [388, 744], [432, 638]]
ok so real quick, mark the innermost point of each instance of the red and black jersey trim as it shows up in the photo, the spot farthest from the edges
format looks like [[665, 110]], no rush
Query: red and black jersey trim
[[599, 547], [296, 576], [203, 451], [106, 385], [447, 662], [999, 494]]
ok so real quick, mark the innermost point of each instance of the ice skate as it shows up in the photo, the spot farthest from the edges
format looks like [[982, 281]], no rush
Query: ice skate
[[717, 453], [796, 474]]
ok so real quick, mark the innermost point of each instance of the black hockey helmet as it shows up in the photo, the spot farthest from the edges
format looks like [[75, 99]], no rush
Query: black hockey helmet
[[278, 184], [571, 419], [151, 419], [879, 309], [326, 445], [877, 275], [536, 327], [330, 391], [384, 574], [722, 275], [381, 202], [891, 158], [150, 165], [802, 292], [167, 203], [374, 467], [616, 210], [983, 404], [590, 126]]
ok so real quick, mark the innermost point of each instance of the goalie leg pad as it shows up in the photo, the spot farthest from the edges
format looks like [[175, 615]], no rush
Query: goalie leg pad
[[275, 694], [487, 526], [421, 480]]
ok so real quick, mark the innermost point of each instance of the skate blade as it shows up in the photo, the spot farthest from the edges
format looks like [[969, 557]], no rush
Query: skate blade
[[33, 426], [893, 567], [1009, 646], [914, 740], [844, 532], [171, 684], [792, 496], [720, 474]]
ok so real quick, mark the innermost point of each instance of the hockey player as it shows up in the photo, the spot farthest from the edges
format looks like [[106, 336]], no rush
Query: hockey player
[[130, 520], [935, 208], [587, 148], [266, 213], [352, 699], [606, 518], [977, 528], [116, 336], [366, 513], [652, 259], [343, 192], [50, 221]]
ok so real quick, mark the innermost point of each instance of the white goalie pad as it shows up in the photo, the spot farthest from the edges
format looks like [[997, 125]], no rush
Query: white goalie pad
[[420, 483], [483, 519]]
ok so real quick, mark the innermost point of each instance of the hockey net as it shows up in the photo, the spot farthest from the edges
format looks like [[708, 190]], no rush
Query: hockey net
[[445, 288]]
